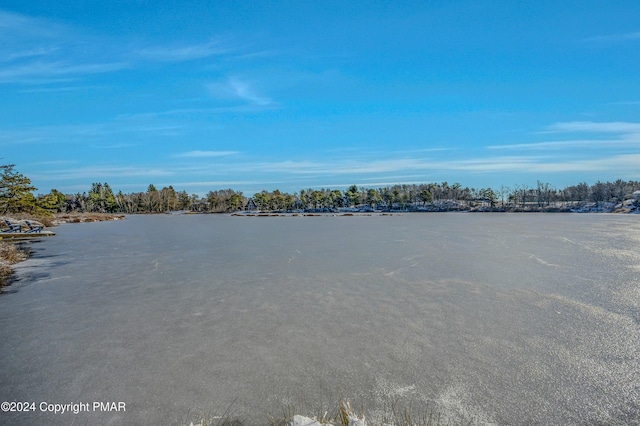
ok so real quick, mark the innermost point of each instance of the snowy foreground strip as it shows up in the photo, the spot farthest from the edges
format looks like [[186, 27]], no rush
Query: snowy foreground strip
[[306, 421]]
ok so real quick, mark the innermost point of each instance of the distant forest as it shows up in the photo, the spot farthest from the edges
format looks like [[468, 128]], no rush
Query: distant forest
[[16, 195]]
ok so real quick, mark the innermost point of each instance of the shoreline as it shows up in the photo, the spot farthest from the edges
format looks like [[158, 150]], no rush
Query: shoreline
[[358, 213], [11, 253], [60, 218]]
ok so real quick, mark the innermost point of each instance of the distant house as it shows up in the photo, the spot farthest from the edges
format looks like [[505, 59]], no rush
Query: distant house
[[251, 205], [199, 206]]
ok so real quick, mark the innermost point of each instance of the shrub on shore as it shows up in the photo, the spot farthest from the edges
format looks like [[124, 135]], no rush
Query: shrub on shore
[[9, 254]]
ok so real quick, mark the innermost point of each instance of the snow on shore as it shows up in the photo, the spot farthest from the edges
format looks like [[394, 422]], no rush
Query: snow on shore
[[306, 421]]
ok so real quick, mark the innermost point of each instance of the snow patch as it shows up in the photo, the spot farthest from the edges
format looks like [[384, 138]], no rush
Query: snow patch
[[307, 421]]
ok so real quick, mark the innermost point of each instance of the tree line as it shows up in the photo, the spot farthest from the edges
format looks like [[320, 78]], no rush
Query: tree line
[[16, 195]]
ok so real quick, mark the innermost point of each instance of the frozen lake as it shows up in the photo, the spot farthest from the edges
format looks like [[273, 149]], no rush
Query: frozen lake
[[500, 318]]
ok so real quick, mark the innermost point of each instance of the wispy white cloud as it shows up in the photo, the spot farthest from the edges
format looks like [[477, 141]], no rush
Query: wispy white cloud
[[61, 89], [345, 167], [17, 27], [186, 112], [257, 54], [245, 91], [84, 133], [219, 183], [626, 103], [618, 135], [235, 88], [38, 50], [205, 154], [101, 172], [31, 53], [54, 163], [621, 164], [572, 144], [370, 183], [375, 169], [596, 127], [30, 72], [113, 146], [614, 38], [180, 53], [541, 164], [252, 174], [256, 167]]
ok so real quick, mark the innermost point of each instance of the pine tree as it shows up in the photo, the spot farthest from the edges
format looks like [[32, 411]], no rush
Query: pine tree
[[16, 191]]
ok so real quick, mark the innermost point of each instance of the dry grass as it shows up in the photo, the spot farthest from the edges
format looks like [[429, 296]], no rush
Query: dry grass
[[341, 414], [5, 271], [9, 254], [84, 217]]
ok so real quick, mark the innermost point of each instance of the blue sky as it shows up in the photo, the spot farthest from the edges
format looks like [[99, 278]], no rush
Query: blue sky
[[253, 95]]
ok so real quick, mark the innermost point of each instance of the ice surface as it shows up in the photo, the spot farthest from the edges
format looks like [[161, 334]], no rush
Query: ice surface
[[499, 318]]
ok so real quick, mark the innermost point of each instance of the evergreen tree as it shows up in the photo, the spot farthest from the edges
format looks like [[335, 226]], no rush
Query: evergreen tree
[[16, 191], [352, 195]]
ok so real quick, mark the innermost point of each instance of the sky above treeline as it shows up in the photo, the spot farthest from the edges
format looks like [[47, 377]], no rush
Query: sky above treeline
[[254, 95]]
